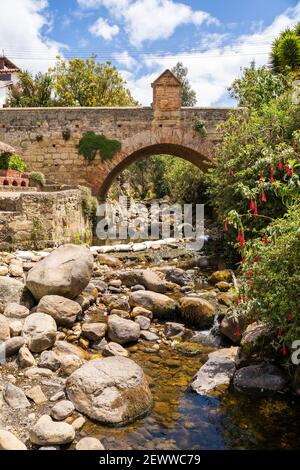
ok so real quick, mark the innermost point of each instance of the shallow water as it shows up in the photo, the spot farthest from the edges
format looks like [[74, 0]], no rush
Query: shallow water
[[181, 419]]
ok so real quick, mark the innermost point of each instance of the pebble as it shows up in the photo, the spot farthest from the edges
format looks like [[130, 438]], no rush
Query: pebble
[[58, 396], [62, 410], [78, 423], [89, 443]]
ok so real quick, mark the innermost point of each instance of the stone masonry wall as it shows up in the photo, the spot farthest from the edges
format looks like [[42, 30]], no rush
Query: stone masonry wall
[[47, 138], [39, 219]]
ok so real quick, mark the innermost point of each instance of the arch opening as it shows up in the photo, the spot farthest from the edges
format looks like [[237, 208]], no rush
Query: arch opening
[[174, 150]]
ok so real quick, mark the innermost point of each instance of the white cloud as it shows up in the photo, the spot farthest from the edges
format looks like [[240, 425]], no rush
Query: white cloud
[[102, 29], [158, 19], [124, 58], [212, 71], [151, 19], [21, 26], [105, 3]]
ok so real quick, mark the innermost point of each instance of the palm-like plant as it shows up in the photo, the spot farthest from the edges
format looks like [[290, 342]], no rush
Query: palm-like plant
[[285, 54], [31, 91]]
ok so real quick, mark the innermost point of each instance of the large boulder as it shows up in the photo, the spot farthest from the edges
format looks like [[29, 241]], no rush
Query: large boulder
[[12, 290], [178, 276], [160, 305], [48, 432], [231, 327], [66, 272], [221, 276], [148, 278], [260, 378], [94, 331], [197, 312], [17, 311], [64, 311], [11, 346], [39, 331], [217, 371], [113, 390], [122, 331], [256, 342]]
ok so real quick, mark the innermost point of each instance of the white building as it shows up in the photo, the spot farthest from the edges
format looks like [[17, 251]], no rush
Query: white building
[[9, 74]]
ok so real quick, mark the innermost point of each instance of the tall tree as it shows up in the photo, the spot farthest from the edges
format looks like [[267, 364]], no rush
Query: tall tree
[[188, 95], [31, 91], [257, 86], [87, 82], [285, 54]]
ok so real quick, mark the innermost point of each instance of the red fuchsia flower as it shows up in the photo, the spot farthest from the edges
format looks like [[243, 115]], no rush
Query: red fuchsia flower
[[280, 166], [290, 316], [289, 170], [249, 272], [284, 351], [252, 205], [256, 259], [266, 240], [242, 238], [227, 222], [263, 197], [279, 334], [238, 332]]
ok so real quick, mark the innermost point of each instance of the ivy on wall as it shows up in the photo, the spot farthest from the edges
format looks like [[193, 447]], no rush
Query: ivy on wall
[[199, 126], [91, 143]]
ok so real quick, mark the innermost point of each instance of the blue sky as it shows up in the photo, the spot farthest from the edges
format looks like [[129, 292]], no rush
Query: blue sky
[[213, 38]]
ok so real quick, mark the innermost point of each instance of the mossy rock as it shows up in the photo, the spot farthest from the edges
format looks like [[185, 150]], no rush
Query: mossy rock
[[197, 312], [221, 276], [223, 286]]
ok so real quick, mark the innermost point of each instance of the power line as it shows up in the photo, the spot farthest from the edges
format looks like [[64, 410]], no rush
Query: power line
[[114, 56]]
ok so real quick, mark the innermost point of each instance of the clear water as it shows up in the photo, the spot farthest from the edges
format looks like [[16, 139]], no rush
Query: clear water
[[181, 419]]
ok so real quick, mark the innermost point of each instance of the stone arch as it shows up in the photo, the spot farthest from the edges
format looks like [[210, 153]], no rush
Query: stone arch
[[187, 145]]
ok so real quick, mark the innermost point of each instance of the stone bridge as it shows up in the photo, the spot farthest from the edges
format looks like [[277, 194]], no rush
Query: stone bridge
[[47, 138]]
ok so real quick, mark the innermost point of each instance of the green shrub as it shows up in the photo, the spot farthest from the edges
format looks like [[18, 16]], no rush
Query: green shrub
[[92, 143], [271, 290], [36, 178], [12, 162]]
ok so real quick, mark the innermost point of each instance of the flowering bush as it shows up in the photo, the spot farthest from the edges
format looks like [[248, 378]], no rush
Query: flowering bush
[[257, 168], [271, 288], [255, 190]]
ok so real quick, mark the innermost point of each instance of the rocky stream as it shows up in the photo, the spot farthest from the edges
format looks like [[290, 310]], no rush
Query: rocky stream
[[133, 348]]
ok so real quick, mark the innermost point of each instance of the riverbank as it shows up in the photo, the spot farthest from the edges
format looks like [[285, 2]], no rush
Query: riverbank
[[171, 322]]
